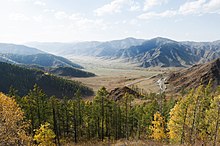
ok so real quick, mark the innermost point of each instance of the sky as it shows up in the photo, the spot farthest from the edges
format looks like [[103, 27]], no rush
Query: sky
[[101, 20]]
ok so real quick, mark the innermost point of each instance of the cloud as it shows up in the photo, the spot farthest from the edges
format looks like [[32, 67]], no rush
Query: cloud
[[189, 8], [134, 6], [116, 6], [18, 17], [212, 6], [79, 21], [192, 7], [113, 7], [150, 15], [38, 18], [39, 3], [60, 15], [200, 7], [148, 4]]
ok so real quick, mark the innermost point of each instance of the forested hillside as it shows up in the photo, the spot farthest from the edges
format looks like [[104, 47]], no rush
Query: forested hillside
[[24, 79], [70, 72], [190, 119], [62, 71]]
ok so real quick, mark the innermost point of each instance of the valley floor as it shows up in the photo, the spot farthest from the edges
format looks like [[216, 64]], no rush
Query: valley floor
[[112, 74]]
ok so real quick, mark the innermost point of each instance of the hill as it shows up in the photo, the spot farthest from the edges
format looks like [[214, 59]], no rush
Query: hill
[[196, 75], [118, 93], [19, 54], [70, 72], [24, 79], [62, 71]]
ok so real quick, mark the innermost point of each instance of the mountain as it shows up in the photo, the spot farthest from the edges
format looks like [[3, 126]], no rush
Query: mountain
[[155, 52], [93, 48], [18, 49], [24, 79], [169, 53], [19, 54], [46, 60], [194, 76]]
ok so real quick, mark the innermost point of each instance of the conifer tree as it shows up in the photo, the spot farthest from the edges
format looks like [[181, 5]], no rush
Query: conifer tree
[[212, 119]]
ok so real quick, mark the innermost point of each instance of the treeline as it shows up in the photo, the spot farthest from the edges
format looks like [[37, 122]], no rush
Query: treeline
[[195, 118], [103, 119], [189, 119], [62, 71]]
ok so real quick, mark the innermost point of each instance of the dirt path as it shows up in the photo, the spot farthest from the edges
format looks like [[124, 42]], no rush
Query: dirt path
[[139, 80]]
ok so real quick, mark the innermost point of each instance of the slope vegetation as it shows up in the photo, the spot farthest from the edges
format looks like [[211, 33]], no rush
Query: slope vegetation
[[196, 75], [24, 79]]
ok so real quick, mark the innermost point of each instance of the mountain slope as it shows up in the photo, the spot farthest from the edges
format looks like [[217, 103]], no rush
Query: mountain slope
[[196, 75], [24, 79], [155, 52], [62, 71], [18, 49], [70, 72], [46, 60], [19, 54], [168, 53]]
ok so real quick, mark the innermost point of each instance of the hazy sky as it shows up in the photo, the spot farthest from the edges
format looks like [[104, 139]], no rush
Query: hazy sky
[[77, 20]]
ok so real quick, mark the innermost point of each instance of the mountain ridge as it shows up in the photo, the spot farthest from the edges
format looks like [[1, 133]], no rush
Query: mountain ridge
[[196, 75], [156, 52], [21, 54]]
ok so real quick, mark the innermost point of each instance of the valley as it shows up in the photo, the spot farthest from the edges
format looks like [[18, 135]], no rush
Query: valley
[[108, 99], [110, 73], [116, 73]]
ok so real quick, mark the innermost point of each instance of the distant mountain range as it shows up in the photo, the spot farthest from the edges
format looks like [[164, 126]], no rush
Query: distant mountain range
[[93, 48], [159, 51], [20, 54]]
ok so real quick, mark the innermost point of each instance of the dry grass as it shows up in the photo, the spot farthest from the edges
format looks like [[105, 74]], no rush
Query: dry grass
[[124, 143], [113, 74]]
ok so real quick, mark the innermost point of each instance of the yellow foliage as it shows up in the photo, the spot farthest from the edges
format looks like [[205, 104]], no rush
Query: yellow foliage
[[157, 127], [44, 135], [12, 125]]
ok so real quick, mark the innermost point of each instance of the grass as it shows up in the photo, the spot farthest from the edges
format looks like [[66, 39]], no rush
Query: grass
[[116, 73]]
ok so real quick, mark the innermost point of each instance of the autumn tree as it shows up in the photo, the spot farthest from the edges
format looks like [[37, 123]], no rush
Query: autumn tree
[[12, 124], [158, 127], [212, 120], [178, 116], [44, 136]]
